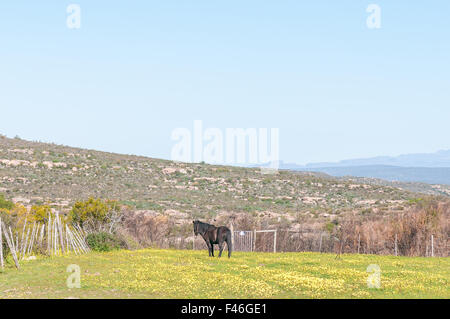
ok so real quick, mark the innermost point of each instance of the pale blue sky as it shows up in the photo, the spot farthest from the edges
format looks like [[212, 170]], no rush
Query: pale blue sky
[[136, 70]]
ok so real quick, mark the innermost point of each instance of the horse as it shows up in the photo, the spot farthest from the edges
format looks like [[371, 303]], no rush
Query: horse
[[214, 235]]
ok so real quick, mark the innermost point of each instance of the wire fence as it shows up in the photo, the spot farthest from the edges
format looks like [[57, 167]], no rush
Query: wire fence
[[307, 241]]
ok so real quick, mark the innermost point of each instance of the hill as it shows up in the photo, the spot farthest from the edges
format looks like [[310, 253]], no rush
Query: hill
[[36, 173]]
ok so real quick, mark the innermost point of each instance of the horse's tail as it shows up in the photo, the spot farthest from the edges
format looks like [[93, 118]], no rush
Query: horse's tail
[[229, 243]]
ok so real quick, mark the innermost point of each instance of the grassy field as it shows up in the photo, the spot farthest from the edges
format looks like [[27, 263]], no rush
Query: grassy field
[[155, 273]]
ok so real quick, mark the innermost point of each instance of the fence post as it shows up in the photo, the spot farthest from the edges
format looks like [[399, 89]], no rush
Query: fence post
[[232, 232], [275, 242], [61, 237], [359, 242], [320, 243], [10, 242], [23, 235], [49, 237], [432, 246], [254, 240], [395, 246]]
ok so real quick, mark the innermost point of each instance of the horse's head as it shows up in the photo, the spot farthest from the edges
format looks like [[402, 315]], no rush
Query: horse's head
[[196, 224]]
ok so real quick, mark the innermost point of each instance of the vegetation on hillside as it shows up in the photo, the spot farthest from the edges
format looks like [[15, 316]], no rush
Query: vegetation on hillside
[[155, 200], [36, 173]]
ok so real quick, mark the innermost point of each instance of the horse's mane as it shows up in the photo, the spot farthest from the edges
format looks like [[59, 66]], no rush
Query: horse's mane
[[202, 223], [202, 227]]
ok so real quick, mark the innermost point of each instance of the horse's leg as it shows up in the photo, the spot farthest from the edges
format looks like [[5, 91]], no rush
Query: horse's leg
[[209, 248], [212, 249], [221, 244]]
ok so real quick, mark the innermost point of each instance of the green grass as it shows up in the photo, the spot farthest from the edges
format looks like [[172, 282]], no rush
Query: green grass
[[156, 273]]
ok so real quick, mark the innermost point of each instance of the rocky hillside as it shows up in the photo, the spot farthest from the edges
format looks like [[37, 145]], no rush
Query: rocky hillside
[[37, 173]]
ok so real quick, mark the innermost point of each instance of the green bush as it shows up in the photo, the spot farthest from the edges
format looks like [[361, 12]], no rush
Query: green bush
[[104, 241], [329, 227], [6, 204], [95, 214]]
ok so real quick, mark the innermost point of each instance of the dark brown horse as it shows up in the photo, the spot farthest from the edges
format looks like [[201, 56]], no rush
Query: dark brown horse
[[214, 235]]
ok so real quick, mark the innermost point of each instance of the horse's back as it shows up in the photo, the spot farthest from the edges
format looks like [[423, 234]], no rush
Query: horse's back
[[218, 234], [223, 228], [222, 232]]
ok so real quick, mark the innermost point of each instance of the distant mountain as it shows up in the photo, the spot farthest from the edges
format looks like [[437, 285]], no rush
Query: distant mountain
[[438, 159], [431, 168], [430, 175]]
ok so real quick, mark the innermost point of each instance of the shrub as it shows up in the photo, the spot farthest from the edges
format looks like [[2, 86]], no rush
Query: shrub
[[40, 213], [5, 204], [329, 227], [102, 241], [129, 242], [96, 215]]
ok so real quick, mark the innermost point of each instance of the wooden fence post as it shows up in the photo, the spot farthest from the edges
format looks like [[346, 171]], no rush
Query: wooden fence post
[[275, 241], [24, 244], [254, 240], [395, 246], [359, 242], [320, 243], [49, 237], [23, 234], [41, 239], [232, 233], [10, 242], [61, 238], [432, 246]]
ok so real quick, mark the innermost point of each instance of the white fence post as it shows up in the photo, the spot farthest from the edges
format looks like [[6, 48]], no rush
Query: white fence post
[[10, 242], [275, 242], [395, 246], [232, 232], [432, 246], [320, 243], [359, 242]]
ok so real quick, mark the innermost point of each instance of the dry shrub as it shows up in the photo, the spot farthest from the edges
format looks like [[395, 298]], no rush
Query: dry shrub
[[373, 234], [413, 229], [147, 228]]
